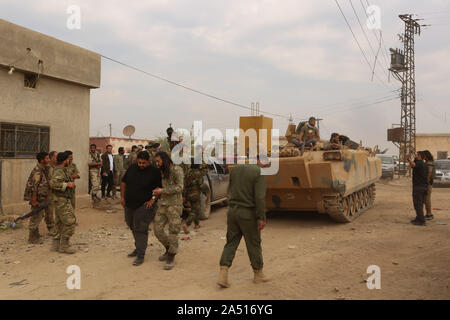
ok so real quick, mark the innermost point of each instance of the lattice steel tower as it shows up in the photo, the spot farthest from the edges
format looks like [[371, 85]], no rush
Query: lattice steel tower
[[403, 68]]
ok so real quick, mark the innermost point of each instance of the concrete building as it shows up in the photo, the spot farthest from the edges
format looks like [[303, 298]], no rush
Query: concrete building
[[435, 142], [45, 89]]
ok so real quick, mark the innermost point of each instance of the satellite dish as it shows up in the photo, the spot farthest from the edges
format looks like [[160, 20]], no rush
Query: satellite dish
[[129, 131]]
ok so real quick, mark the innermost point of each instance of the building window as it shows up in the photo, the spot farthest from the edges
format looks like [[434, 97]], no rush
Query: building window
[[23, 141], [30, 80]]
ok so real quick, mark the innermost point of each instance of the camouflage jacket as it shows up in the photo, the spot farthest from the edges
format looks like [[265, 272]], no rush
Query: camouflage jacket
[[119, 163], [38, 184], [193, 183], [59, 181], [172, 188], [72, 169], [94, 157]]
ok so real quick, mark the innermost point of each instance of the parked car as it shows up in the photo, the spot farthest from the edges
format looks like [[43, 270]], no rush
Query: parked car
[[387, 166], [442, 173], [217, 180]]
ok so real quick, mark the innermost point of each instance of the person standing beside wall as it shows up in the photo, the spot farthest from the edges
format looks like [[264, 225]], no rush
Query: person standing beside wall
[[107, 172]]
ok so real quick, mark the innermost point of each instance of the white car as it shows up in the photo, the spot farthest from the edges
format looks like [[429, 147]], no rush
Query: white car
[[387, 166], [442, 173]]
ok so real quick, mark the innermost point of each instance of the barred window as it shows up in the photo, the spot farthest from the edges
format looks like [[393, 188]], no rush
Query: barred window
[[23, 141]]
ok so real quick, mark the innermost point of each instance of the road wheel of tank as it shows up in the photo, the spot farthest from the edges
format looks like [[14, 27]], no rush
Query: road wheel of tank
[[352, 204], [357, 202], [346, 207], [364, 198], [371, 191]]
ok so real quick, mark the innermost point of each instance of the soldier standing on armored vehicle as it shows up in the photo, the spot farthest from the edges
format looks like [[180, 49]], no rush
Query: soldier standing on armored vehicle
[[63, 189], [309, 134], [334, 143]]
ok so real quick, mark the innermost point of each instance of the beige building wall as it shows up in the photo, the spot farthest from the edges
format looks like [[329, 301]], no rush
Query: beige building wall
[[434, 142], [61, 101]]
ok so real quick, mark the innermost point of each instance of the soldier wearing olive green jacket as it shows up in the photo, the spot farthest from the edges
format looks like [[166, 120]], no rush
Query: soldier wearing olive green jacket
[[246, 217]]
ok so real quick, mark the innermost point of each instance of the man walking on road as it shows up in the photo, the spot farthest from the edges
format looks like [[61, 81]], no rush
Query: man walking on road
[[420, 186], [246, 217], [140, 205]]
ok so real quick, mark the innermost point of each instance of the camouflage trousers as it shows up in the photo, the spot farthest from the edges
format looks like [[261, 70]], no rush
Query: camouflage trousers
[[194, 214], [65, 217], [47, 214], [94, 176], [118, 175], [170, 215]]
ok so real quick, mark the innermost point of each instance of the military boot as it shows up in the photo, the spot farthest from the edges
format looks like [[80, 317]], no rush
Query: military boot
[[55, 245], [169, 262], [259, 276], [64, 246], [164, 256], [52, 231], [223, 277], [34, 237]]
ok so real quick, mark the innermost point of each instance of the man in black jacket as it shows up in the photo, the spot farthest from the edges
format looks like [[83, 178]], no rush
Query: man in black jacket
[[420, 187], [140, 205]]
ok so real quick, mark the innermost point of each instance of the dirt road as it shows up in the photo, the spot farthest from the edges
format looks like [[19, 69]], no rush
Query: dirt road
[[307, 255]]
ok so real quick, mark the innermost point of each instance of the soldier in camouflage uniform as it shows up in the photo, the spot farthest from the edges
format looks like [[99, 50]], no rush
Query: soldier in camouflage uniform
[[193, 187], [63, 189], [37, 193], [50, 210], [74, 173], [170, 207], [95, 163]]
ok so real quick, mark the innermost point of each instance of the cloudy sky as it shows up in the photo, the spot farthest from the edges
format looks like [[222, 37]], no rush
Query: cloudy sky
[[294, 57]]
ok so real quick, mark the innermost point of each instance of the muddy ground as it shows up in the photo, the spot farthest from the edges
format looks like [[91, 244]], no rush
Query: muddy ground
[[308, 256]]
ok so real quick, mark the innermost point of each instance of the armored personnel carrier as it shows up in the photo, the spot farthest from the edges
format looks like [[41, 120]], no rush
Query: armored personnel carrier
[[338, 182]]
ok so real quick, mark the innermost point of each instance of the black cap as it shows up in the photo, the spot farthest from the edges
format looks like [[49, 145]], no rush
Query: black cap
[[312, 118]]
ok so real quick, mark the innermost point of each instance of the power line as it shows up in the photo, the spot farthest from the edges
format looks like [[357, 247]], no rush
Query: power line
[[350, 102], [191, 89], [385, 51], [357, 42], [363, 105], [367, 39]]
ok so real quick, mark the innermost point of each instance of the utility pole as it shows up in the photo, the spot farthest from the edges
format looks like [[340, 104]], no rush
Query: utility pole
[[110, 130], [403, 68]]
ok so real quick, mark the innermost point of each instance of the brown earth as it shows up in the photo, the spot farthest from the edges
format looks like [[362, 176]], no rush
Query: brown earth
[[307, 255]]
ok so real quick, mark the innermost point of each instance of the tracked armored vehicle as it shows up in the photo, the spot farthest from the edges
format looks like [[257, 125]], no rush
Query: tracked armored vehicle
[[340, 183]]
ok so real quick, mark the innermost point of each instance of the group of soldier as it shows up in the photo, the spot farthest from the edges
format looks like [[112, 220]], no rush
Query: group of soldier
[[51, 185], [152, 188]]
